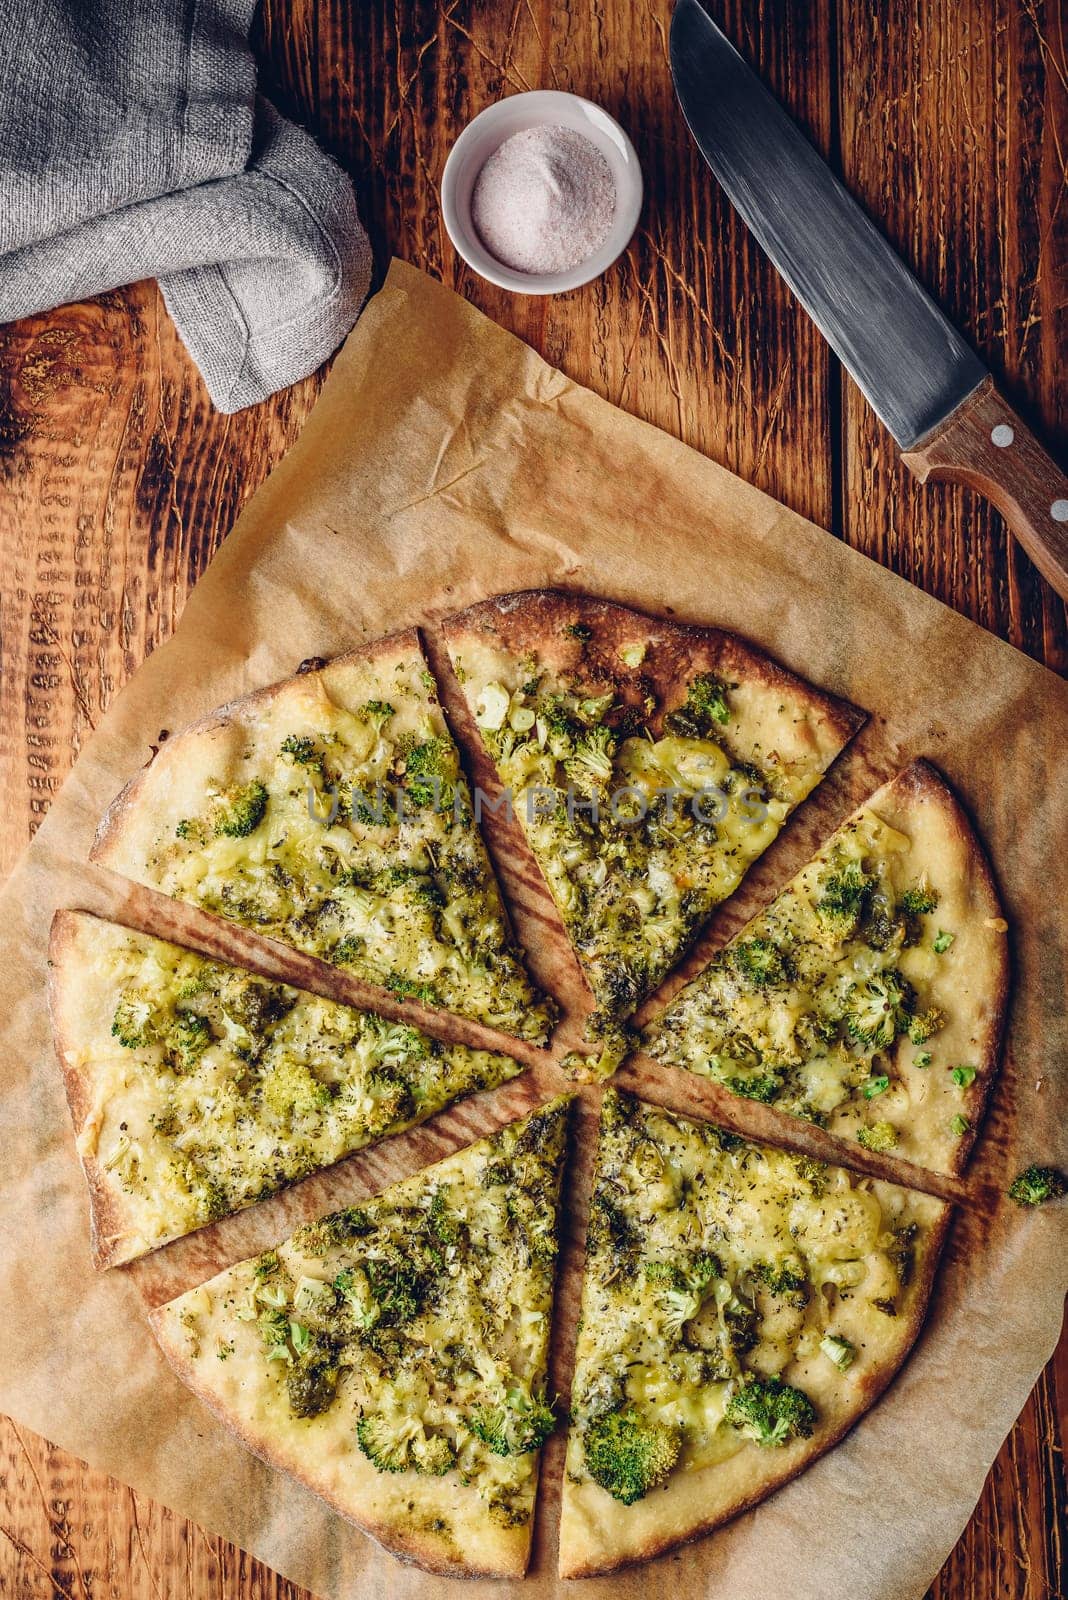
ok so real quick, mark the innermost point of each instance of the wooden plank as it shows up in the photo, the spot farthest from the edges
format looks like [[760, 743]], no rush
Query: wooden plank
[[953, 118], [954, 128], [119, 481]]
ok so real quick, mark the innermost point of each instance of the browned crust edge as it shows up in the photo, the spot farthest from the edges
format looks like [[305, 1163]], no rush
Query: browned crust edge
[[109, 830], [918, 781], [107, 1220], [538, 618], [875, 1386], [406, 1547]]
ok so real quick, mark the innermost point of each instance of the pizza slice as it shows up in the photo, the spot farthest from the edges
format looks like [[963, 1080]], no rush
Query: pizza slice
[[649, 765], [869, 995], [393, 1356], [330, 812], [741, 1308], [196, 1088]]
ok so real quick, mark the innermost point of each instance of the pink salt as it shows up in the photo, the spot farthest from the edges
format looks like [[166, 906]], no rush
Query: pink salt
[[544, 201]]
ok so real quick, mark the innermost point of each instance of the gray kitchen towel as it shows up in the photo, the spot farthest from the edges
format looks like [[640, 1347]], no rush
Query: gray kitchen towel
[[133, 145]]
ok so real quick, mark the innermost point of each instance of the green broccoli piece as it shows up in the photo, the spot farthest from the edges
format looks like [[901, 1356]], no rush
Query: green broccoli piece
[[397, 1290], [403, 1446], [771, 1412], [427, 769], [132, 1023], [761, 962], [590, 767], [760, 1086], [844, 900], [239, 811], [838, 1351], [881, 1136], [302, 749], [787, 1278], [444, 1223], [312, 1388], [942, 941], [290, 1088], [917, 902], [1035, 1185], [407, 989], [187, 1038], [684, 1288], [515, 1426], [704, 708], [878, 1009], [921, 1027], [628, 1455], [379, 710], [192, 830]]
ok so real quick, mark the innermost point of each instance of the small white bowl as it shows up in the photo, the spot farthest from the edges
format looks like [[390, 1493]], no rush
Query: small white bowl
[[487, 133]]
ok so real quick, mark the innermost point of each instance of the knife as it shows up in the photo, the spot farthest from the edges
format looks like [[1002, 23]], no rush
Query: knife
[[932, 391]]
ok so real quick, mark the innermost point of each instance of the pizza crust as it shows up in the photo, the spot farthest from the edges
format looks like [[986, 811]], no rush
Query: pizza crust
[[775, 711]]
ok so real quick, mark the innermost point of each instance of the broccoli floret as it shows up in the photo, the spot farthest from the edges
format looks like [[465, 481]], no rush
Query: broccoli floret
[[303, 750], [684, 1288], [187, 1038], [838, 1351], [844, 900], [628, 1456], [392, 1094], [402, 1446], [132, 1023], [239, 811], [760, 1086], [1035, 1185], [515, 1426], [379, 710], [444, 1223], [771, 1412], [787, 1278], [192, 830], [407, 989], [760, 962], [881, 1136], [704, 708], [312, 1388], [927, 1022], [878, 1009], [917, 902], [611, 1236], [291, 1088], [590, 767], [397, 1290]]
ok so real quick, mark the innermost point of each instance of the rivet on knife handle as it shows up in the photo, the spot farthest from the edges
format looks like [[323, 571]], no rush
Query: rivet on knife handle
[[984, 444]]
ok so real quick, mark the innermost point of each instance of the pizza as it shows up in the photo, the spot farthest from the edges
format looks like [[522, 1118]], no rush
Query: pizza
[[392, 1356], [742, 1303], [648, 763], [330, 812], [197, 1088], [869, 996], [742, 1306]]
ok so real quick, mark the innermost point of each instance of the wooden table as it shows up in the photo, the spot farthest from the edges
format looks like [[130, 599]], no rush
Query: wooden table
[[948, 118]]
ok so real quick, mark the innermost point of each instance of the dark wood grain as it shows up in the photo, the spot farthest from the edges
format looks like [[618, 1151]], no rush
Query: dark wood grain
[[949, 119]]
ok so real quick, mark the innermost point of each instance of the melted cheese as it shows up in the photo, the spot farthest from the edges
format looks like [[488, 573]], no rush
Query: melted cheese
[[271, 1085], [312, 1351], [676, 1350], [365, 852]]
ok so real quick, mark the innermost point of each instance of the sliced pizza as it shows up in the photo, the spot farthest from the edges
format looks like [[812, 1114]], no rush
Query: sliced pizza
[[649, 765], [196, 1088], [869, 995], [393, 1356], [330, 812], [741, 1308]]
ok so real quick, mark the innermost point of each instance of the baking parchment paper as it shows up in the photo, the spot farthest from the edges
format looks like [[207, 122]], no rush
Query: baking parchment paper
[[443, 462]]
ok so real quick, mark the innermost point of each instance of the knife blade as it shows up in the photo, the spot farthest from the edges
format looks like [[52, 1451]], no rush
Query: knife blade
[[929, 388]]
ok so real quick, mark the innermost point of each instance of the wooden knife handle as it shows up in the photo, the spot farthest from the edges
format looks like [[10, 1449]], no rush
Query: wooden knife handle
[[985, 445]]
